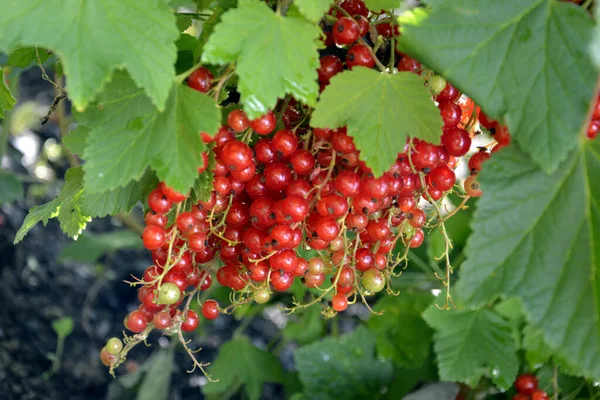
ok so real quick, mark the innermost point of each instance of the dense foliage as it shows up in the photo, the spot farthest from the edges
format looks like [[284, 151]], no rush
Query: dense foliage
[[335, 150]]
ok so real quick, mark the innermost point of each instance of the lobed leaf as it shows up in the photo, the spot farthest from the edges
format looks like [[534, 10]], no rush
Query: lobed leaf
[[380, 111]]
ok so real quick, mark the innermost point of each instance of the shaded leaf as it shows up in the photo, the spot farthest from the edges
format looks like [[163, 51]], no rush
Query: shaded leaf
[[90, 246], [240, 362], [401, 333], [329, 368], [535, 237], [471, 343]]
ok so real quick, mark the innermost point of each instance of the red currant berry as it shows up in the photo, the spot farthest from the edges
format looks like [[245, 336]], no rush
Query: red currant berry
[[173, 195], [378, 229], [355, 7], [136, 321], [363, 24], [153, 218], [210, 309], [345, 31], [539, 395], [162, 320], [472, 187], [281, 280], [450, 93], [360, 55], [236, 155], [327, 228], [330, 65], [593, 129], [265, 124], [200, 79], [477, 159], [409, 64], [416, 218], [451, 113], [441, 178], [154, 237], [191, 321], [238, 120], [158, 202], [302, 161], [339, 302], [277, 176], [526, 384], [284, 260], [285, 143], [456, 141]]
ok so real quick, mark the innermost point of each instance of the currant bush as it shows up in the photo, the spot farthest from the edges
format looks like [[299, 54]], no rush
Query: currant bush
[[259, 171]]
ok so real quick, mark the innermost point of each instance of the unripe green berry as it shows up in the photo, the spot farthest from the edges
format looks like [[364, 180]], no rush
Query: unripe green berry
[[437, 83], [373, 280], [261, 296], [168, 293], [408, 230], [114, 346]]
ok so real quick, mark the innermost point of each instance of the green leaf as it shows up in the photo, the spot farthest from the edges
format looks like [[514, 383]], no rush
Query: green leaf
[[307, 329], [23, 57], [63, 326], [76, 140], [7, 101], [11, 188], [313, 10], [203, 187], [274, 55], [512, 310], [378, 5], [595, 44], [183, 22], [129, 135], [202, 5], [113, 201], [92, 38], [406, 379], [90, 246], [509, 57], [157, 378], [67, 207], [401, 333], [470, 342], [42, 213], [330, 368], [536, 237], [368, 102], [538, 352], [240, 362]]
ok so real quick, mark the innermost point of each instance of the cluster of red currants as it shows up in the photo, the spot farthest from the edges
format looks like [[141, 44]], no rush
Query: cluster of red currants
[[527, 388], [281, 189]]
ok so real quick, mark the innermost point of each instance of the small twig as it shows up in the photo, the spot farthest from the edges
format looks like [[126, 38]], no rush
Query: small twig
[[226, 75]]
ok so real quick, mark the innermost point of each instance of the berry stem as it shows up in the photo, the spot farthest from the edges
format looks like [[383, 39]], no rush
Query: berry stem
[[222, 81]]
